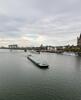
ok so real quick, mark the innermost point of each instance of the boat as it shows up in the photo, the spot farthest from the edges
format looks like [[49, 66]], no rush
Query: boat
[[37, 62], [35, 51], [69, 53]]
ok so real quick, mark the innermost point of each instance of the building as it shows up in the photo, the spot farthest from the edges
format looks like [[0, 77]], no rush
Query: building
[[13, 46], [79, 41], [51, 48]]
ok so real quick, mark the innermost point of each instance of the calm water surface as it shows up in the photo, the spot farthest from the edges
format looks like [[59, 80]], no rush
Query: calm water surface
[[22, 80]]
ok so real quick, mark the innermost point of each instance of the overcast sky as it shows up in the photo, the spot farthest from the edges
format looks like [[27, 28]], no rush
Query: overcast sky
[[35, 22]]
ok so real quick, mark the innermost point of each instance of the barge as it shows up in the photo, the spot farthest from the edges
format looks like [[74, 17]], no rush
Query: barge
[[37, 62]]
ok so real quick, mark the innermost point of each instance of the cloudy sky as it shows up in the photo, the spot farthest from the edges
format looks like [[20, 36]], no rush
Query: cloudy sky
[[35, 22]]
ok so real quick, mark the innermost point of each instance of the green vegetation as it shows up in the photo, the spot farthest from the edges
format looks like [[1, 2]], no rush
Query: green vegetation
[[72, 49]]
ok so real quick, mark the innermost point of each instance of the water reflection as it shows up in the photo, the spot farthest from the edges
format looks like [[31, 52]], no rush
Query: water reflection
[[78, 63]]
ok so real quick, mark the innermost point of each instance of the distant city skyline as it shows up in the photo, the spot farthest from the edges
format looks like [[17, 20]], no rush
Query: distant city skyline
[[36, 22]]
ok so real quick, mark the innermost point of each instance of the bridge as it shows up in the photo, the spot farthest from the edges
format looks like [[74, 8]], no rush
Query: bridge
[[17, 48]]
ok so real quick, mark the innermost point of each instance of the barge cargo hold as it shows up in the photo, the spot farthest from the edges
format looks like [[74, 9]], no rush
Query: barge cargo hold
[[37, 62]]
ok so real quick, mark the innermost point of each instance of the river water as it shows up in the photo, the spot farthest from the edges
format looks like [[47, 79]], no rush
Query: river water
[[22, 80]]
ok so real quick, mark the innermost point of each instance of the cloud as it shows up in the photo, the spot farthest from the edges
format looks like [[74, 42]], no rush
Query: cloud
[[40, 21]]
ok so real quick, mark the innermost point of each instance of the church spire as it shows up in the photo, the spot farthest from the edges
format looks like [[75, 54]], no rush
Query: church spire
[[80, 35], [79, 40]]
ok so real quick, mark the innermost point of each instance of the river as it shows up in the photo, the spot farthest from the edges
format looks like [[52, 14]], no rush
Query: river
[[20, 79]]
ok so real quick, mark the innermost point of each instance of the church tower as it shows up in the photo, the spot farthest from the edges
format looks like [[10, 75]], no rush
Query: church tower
[[79, 41]]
